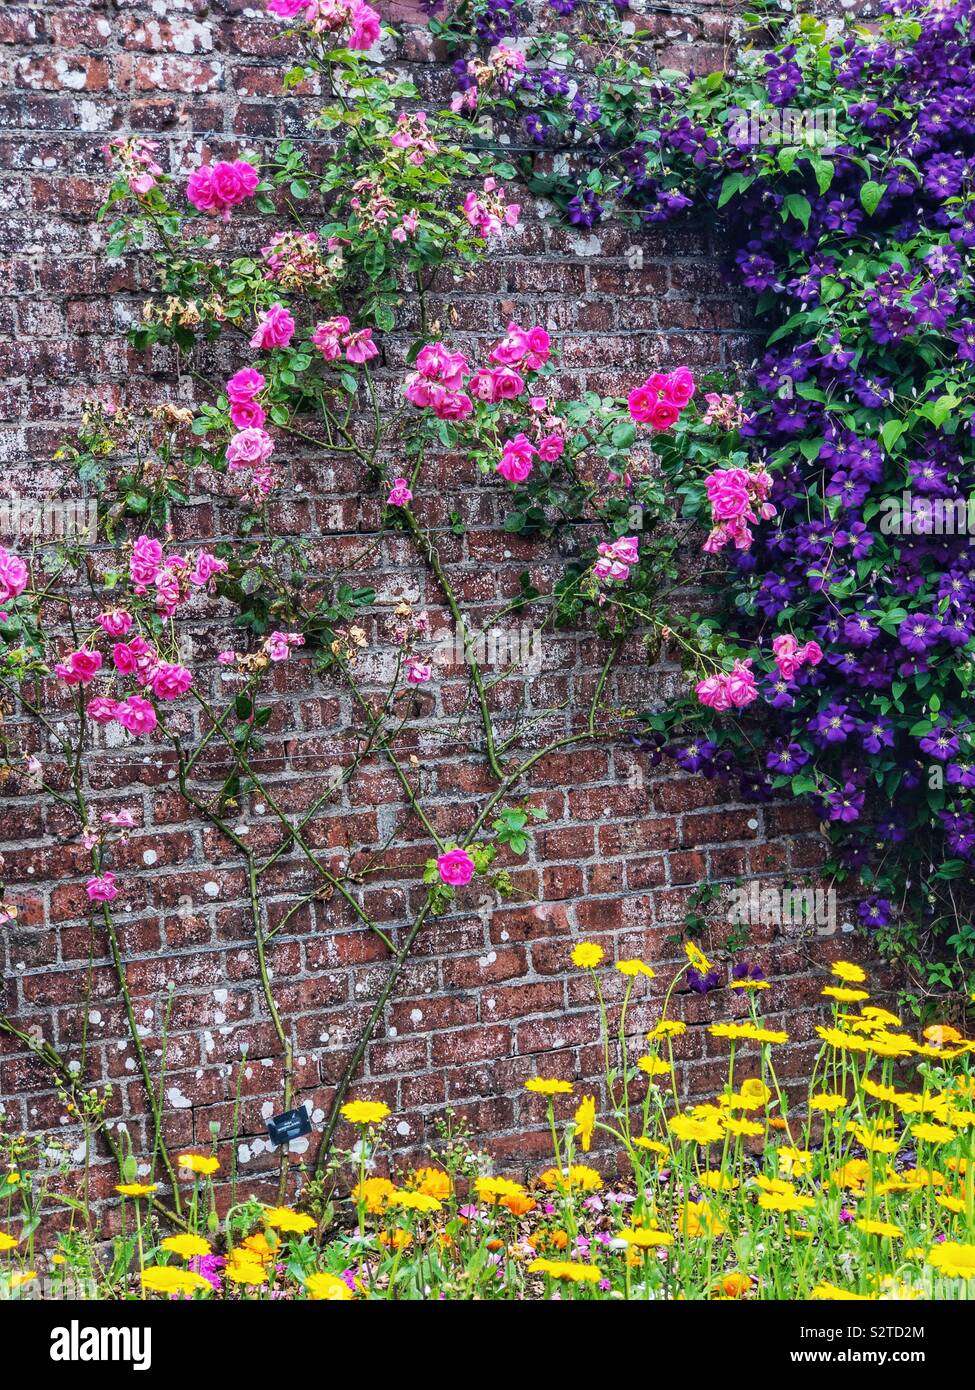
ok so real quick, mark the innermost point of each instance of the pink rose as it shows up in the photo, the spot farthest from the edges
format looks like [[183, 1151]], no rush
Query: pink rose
[[101, 888], [137, 715], [102, 710], [249, 449], [399, 493], [327, 335], [359, 346], [507, 383], [145, 562], [515, 463], [170, 681], [232, 183], [812, 652], [206, 567], [713, 692], [551, 447], [136, 655], [115, 622], [662, 415], [13, 575], [81, 667], [285, 9], [787, 657], [246, 415], [641, 402], [456, 867], [275, 328], [417, 673], [679, 387], [245, 385], [741, 684], [728, 493], [365, 27]]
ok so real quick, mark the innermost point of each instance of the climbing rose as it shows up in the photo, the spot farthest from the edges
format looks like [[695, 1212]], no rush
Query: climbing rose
[[515, 463], [13, 576], [275, 328], [249, 449], [102, 710], [137, 715], [399, 493], [456, 867], [245, 385], [216, 188], [80, 667], [116, 622], [169, 681], [101, 888]]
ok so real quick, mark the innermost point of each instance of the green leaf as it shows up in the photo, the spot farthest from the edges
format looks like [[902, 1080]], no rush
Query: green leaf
[[870, 195]]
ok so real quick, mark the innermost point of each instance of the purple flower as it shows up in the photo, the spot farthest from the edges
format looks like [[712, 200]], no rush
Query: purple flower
[[875, 912]]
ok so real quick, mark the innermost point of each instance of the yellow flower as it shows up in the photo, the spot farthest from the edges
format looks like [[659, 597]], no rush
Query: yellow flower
[[749, 984], [653, 1066], [697, 958], [792, 1161], [493, 1190], [742, 1127], [433, 1181], [247, 1272], [852, 1175], [845, 996], [843, 1042], [934, 1134], [653, 1145], [940, 1033], [632, 968], [833, 1291], [717, 1181], [587, 955], [733, 1284], [414, 1201], [878, 1228], [327, 1286], [253, 1250], [954, 1259], [879, 1092], [373, 1193], [785, 1201], [773, 1184], [585, 1118], [881, 1016], [752, 1096], [827, 1100], [567, 1269], [954, 1204], [364, 1112], [186, 1246], [645, 1239], [284, 1219], [697, 1219], [666, 1028], [730, 1030], [548, 1086], [846, 970], [167, 1279], [695, 1131], [579, 1176], [199, 1163], [136, 1189], [7, 1242], [22, 1277]]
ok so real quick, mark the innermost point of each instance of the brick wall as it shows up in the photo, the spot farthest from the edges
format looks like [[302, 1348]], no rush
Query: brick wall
[[487, 1000]]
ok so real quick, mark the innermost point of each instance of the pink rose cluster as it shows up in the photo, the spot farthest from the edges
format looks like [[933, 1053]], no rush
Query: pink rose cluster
[[137, 158], [660, 400], [173, 577], [723, 410], [725, 690], [216, 188], [413, 135], [252, 446], [617, 558], [488, 212], [528, 348], [437, 384], [399, 493], [332, 16], [790, 656], [333, 337], [13, 578], [738, 497]]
